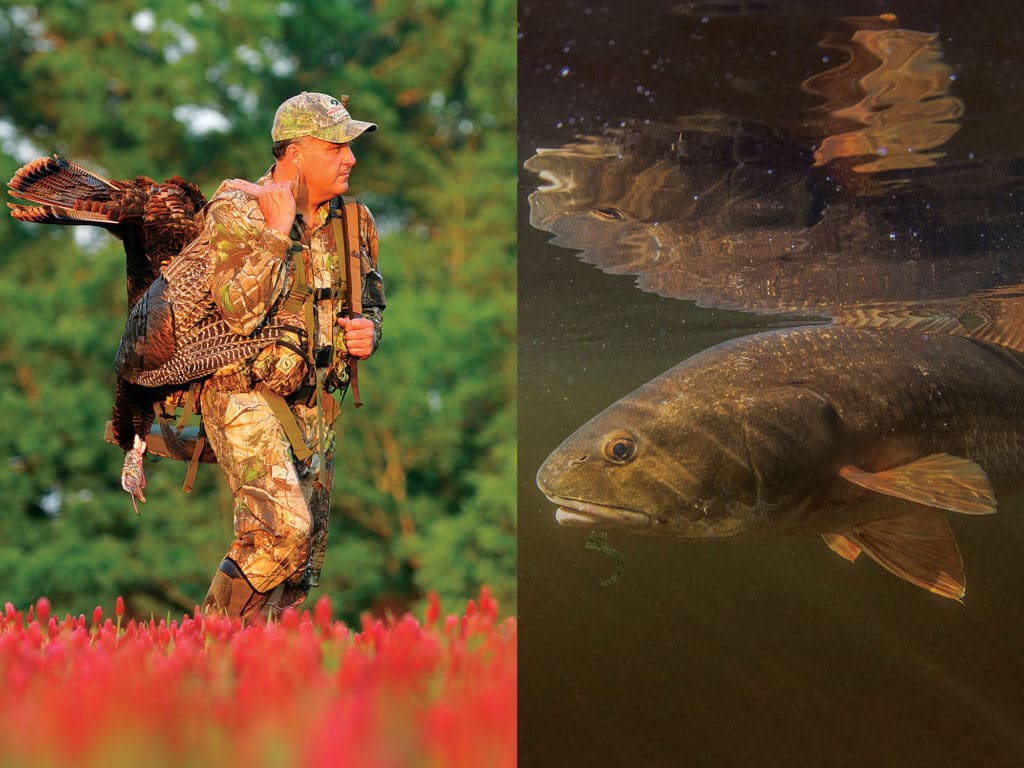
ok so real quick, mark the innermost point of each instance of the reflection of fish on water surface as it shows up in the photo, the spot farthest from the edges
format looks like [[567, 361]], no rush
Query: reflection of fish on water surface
[[861, 434], [746, 221], [901, 111], [831, 206]]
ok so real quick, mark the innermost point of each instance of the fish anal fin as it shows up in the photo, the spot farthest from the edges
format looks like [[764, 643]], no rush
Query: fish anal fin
[[938, 480], [918, 547], [841, 545]]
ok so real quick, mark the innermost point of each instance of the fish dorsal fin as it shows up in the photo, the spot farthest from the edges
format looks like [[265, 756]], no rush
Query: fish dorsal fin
[[995, 316], [938, 480], [918, 547], [998, 317], [841, 545]]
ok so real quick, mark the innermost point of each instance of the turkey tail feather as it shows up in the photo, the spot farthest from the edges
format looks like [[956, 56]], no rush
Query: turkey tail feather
[[60, 182], [55, 214]]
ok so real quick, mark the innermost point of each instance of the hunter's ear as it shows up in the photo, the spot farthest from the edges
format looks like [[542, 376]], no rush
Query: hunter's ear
[[293, 152]]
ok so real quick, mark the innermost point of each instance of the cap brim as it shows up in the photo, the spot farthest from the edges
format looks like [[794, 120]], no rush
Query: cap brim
[[345, 132]]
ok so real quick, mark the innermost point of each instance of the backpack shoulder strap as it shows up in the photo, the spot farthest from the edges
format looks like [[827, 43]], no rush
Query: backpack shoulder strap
[[346, 240], [353, 261]]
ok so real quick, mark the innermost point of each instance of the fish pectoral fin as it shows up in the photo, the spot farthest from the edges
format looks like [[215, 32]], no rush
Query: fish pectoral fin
[[939, 480], [841, 545], [919, 548]]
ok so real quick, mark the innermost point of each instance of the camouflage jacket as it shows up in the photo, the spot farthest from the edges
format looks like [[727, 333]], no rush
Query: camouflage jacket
[[227, 287], [252, 272]]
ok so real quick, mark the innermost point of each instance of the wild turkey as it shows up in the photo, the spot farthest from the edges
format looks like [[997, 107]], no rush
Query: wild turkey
[[154, 222]]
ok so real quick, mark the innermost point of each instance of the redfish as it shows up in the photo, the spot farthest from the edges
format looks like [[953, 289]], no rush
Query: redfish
[[867, 436]]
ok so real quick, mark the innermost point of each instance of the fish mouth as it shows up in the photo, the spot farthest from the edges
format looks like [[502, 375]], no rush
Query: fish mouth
[[584, 514]]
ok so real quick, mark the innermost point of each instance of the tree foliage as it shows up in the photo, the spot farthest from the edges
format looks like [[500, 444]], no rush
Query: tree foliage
[[424, 496]]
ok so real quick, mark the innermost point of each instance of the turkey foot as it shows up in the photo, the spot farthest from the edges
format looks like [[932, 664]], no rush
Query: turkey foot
[[133, 479]]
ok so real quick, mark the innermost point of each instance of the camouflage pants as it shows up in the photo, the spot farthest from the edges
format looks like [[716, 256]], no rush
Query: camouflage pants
[[281, 506]]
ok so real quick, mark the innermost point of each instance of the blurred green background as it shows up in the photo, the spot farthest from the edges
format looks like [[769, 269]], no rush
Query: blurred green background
[[424, 495]]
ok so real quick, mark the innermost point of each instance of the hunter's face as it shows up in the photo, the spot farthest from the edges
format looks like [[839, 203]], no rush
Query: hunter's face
[[326, 167]]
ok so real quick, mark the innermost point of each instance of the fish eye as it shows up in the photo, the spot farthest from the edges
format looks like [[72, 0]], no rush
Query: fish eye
[[620, 448], [610, 214]]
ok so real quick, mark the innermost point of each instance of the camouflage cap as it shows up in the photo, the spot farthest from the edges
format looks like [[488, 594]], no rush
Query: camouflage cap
[[318, 115]]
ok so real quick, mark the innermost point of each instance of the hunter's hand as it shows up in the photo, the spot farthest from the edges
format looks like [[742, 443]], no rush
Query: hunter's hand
[[358, 336], [276, 199]]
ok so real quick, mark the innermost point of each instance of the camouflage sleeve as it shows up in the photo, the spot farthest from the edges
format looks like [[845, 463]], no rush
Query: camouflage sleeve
[[249, 261], [373, 281]]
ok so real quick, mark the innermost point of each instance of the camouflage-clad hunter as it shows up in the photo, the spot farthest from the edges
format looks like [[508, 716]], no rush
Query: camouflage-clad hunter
[[251, 232]]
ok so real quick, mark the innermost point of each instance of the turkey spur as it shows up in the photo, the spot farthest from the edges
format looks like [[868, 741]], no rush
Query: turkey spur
[[154, 221]]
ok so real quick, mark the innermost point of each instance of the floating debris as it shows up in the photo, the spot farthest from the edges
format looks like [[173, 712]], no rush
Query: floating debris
[[599, 540]]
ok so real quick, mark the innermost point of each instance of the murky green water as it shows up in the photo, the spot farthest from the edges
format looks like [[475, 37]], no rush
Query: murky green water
[[760, 651]]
